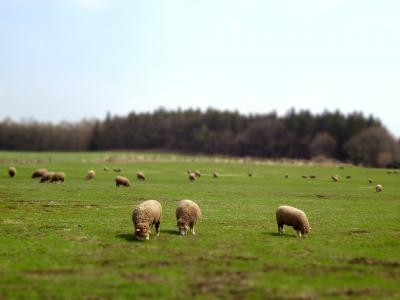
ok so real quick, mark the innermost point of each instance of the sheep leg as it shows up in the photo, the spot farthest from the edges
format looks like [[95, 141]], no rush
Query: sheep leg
[[157, 225], [192, 230], [298, 233], [280, 229]]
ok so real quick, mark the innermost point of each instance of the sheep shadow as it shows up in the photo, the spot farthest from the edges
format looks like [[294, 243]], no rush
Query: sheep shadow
[[170, 232], [282, 235], [129, 237]]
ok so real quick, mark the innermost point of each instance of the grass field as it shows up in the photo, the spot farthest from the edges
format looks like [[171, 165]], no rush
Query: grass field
[[75, 240]]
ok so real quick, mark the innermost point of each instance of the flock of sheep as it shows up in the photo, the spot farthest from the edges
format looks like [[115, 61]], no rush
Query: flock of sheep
[[149, 213]]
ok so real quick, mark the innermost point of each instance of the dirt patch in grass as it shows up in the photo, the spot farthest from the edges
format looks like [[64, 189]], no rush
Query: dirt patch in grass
[[232, 285], [50, 272], [350, 292], [373, 262], [358, 231]]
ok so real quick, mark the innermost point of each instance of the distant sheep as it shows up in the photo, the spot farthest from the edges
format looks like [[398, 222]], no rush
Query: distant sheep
[[140, 176], [286, 176], [192, 177], [119, 180], [46, 177], [117, 170], [197, 173], [304, 176], [144, 216], [250, 174], [12, 171], [378, 188], [313, 176], [39, 173], [58, 177], [91, 175], [106, 169], [370, 180], [335, 178], [188, 214], [348, 177], [291, 216], [215, 175]]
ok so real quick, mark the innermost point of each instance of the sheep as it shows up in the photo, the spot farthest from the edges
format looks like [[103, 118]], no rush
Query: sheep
[[286, 176], [348, 177], [106, 169], [188, 214], [192, 177], [197, 173], [378, 188], [313, 176], [39, 173], [250, 174], [335, 178], [304, 176], [215, 175], [117, 170], [120, 180], [46, 177], [12, 171], [90, 175], [57, 177], [291, 216], [370, 180], [140, 176], [144, 216]]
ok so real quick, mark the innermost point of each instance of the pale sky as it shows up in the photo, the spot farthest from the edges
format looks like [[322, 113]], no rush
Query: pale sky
[[70, 59]]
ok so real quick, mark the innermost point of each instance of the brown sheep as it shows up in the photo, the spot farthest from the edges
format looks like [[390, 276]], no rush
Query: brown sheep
[[140, 176], [119, 180], [144, 216], [90, 175], [291, 216], [12, 171], [335, 178], [215, 175], [188, 214], [46, 177], [39, 173], [197, 173]]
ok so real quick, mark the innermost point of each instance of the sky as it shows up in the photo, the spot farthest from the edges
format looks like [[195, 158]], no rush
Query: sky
[[74, 59]]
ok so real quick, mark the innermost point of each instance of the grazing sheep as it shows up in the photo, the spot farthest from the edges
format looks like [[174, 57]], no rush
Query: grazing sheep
[[91, 175], [286, 176], [140, 176], [188, 214], [215, 175], [335, 178], [106, 169], [12, 171], [250, 174], [304, 176], [348, 177], [291, 216], [57, 177], [192, 177], [117, 170], [120, 180], [144, 216], [46, 177], [313, 176], [197, 173], [39, 173], [370, 180], [189, 171], [378, 188]]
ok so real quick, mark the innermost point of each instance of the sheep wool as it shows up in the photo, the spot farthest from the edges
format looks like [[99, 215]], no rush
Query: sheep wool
[[188, 213], [197, 173], [144, 216], [192, 177], [140, 176], [215, 175], [12, 171], [378, 188], [46, 177], [335, 178], [291, 216], [120, 180], [91, 175], [39, 173], [58, 177]]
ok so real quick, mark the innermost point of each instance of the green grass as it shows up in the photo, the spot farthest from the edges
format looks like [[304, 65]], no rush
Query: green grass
[[75, 240]]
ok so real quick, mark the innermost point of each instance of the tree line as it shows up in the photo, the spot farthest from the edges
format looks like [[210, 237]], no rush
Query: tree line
[[298, 135]]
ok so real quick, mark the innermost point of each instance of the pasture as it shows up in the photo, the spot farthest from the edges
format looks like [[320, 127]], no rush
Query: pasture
[[75, 240]]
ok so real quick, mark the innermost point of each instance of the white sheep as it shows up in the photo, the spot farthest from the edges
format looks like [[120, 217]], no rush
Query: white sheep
[[144, 216], [188, 214], [291, 216], [91, 175], [192, 177], [12, 171], [378, 188], [140, 176]]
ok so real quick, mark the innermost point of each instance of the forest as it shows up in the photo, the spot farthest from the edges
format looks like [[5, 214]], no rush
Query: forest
[[301, 134]]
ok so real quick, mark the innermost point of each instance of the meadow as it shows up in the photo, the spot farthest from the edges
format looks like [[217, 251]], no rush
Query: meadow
[[75, 240]]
